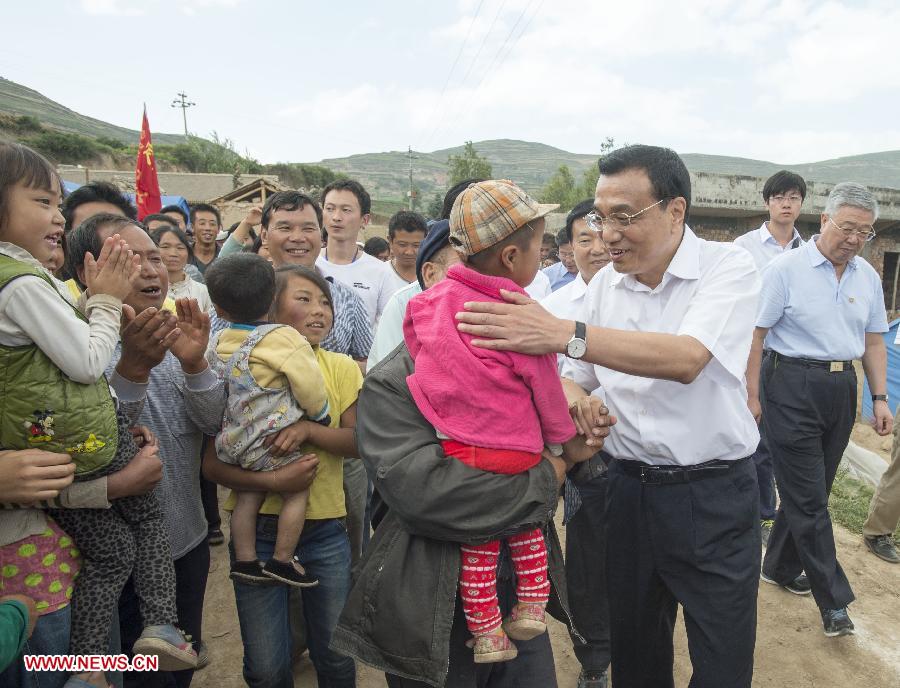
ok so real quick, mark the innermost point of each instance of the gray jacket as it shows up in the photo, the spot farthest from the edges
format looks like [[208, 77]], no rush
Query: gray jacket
[[400, 611]]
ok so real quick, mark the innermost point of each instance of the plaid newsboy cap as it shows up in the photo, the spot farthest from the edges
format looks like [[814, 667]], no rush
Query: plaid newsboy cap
[[487, 212]]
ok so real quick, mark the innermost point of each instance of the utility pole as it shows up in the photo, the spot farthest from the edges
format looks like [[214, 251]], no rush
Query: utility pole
[[411, 192], [184, 104]]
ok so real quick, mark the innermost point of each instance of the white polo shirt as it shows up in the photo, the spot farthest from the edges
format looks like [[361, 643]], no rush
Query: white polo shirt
[[369, 277], [709, 292], [762, 245], [567, 302]]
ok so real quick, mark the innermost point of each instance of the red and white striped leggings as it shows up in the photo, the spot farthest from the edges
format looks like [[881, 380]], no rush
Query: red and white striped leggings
[[478, 578]]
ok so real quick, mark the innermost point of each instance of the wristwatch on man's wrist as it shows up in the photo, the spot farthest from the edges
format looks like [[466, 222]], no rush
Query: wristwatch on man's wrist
[[879, 397], [577, 345]]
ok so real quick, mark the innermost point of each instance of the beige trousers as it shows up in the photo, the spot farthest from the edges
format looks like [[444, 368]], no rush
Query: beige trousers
[[884, 511]]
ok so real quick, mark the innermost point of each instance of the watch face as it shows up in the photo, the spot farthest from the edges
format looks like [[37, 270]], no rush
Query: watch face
[[576, 348]]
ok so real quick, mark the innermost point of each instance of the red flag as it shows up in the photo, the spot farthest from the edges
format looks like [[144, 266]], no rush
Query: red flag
[[146, 185]]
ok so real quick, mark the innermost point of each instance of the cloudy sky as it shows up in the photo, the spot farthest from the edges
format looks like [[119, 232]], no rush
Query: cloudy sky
[[788, 81]]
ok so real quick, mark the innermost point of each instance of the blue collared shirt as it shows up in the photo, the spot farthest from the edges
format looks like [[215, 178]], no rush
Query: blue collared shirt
[[810, 314], [558, 275]]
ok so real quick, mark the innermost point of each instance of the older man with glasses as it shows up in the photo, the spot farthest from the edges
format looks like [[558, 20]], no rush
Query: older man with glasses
[[821, 307]]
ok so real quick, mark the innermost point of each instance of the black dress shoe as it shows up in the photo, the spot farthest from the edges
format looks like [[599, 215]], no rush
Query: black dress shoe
[[882, 546], [215, 536]]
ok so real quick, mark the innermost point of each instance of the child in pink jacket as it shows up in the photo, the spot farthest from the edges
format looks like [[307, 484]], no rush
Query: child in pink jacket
[[493, 410]]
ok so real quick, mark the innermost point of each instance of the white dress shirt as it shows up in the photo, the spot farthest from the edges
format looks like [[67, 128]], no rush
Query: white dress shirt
[[567, 302], [708, 292], [762, 245], [389, 333], [539, 287]]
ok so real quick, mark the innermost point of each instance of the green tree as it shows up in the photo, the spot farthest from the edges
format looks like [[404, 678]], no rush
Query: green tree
[[435, 206], [560, 188], [469, 165]]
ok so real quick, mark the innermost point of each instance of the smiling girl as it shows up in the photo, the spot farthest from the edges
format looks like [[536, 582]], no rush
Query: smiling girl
[[56, 398]]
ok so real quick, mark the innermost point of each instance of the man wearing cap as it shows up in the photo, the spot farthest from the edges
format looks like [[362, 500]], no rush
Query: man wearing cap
[[667, 337], [435, 256], [821, 307], [435, 503]]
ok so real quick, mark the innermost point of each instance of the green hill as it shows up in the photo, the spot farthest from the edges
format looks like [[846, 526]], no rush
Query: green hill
[[386, 175], [18, 100]]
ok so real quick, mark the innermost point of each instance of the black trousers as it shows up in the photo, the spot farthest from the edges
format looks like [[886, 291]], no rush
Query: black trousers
[[765, 477], [532, 668], [694, 543], [808, 414], [191, 573], [586, 575]]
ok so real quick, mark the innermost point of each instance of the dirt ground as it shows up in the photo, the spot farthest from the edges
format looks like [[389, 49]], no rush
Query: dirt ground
[[791, 649]]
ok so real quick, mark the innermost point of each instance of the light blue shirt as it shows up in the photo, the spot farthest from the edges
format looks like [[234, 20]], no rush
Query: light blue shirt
[[810, 314], [558, 275], [762, 245]]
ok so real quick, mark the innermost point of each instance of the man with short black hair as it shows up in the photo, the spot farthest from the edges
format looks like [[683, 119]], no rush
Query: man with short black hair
[[406, 231], [156, 220], [92, 199], [346, 209], [562, 273], [783, 194], [206, 221], [667, 338], [585, 488], [176, 212], [548, 250]]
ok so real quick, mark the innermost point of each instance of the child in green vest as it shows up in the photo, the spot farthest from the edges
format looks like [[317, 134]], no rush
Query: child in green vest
[[54, 396]]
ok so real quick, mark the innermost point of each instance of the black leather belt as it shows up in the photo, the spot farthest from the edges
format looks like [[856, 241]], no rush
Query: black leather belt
[[832, 366], [668, 475]]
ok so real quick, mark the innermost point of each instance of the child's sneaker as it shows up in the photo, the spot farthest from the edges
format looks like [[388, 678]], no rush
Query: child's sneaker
[[248, 572], [290, 573], [525, 621], [169, 644], [494, 647]]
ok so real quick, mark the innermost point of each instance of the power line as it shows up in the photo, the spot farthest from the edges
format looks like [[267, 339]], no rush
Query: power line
[[459, 53], [471, 66], [489, 70]]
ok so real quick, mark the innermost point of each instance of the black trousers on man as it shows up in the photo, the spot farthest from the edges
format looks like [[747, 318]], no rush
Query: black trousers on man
[[807, 413], [586, 575], [696, 543]]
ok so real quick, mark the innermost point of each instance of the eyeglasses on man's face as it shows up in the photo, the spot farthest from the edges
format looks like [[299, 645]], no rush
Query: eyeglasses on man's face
[[863, 232], [618, 221], [793, 199]]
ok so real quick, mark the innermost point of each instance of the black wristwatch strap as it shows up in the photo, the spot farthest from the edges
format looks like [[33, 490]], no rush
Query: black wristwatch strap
[[580, 330], [879, 397]]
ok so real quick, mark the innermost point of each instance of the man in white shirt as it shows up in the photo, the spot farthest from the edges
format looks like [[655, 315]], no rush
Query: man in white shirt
[[783, 193], [406, 231], [669, 337], [585, 488], [345, 211]]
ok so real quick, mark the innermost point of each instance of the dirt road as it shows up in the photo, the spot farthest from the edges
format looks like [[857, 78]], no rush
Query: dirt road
[[791, 649]]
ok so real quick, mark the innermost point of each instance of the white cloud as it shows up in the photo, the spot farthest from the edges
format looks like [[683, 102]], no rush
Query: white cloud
[[110, 7]]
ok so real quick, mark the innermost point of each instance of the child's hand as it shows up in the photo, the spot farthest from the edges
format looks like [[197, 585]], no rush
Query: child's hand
[[288, 440], [114, 271], [592, 420], [142, 436]]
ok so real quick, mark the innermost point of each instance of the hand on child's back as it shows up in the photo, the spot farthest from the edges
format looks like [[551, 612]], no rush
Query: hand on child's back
[[114, 271]]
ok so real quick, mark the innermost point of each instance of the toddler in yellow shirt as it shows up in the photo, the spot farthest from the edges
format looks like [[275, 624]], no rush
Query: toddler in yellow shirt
[[273, 380]]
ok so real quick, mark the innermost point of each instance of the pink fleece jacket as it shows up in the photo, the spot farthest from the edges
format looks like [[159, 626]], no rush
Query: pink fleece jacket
[[493, 399]]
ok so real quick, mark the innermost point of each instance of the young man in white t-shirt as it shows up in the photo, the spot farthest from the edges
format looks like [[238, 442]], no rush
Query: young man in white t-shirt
[[406, 231], [345, 211]]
